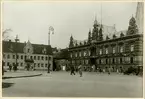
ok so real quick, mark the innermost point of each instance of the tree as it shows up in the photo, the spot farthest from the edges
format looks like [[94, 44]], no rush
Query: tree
[[4, 36]]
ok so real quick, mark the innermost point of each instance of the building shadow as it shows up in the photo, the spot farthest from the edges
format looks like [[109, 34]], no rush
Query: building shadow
[[6, 84]]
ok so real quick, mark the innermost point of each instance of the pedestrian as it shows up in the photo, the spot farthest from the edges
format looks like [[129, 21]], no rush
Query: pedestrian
[[15, 67], [117, 71], [80, 70], [103, 70], [72, 70], [109, 70], [48, 68], [100, 69], [10, 67]]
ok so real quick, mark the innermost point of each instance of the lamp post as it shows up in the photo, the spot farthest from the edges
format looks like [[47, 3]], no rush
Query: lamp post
[[16, 64], [51, 30]]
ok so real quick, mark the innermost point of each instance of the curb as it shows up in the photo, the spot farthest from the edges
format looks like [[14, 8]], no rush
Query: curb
[[21, 76]]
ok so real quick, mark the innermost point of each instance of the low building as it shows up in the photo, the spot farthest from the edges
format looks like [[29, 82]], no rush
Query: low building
[[36, 56], [61, 60]]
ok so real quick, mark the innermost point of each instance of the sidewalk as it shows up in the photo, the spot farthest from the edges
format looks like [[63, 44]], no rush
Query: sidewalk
[[21, 74]]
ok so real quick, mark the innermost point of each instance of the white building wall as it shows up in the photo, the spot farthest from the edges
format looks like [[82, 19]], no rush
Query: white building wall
[[22, 64]]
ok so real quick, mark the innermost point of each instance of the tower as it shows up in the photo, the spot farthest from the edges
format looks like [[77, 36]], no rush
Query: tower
[[140, 16], [95, 30], [100, 33], [132, 28], [89, 37]]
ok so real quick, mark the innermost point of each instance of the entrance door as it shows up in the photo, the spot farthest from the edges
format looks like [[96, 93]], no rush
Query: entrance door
[[93, 61]]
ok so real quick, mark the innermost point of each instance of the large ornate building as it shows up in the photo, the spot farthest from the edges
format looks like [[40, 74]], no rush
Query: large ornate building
[[34, 55], [115, 50]]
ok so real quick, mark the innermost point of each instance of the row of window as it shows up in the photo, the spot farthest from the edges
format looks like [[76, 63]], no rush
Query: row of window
[[8, 56], [105, 61], [88, 53], [23, 64]]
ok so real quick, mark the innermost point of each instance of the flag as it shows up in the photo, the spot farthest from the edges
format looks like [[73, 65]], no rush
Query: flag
[[51, 29]]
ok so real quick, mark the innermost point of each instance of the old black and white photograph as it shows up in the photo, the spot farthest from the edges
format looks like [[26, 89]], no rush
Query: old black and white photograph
[[72, 49]]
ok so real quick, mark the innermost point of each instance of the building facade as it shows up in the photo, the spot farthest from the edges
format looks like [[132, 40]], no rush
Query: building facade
[[117, 51], [35, 55]]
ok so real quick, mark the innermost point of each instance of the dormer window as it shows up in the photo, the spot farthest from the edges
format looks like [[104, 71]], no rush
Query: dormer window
[[44, 51], [28, 50]]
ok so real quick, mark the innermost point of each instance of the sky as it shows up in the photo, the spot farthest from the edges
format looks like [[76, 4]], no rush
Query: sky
[[31, 20]]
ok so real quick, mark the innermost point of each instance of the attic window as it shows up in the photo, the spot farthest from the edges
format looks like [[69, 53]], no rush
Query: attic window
[[44, 51], [28, 50]]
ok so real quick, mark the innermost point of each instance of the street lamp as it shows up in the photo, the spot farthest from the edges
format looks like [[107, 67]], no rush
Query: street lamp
[[51, 30], [16, 40]]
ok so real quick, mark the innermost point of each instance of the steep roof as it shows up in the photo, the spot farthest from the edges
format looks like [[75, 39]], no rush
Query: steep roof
[[9, 46]]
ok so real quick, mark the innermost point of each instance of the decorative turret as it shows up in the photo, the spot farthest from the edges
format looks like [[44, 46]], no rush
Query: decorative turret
[[121, 34], [107, 38], [71, 42], [89, 37], [132, 28], [114, 36], [100, 34]]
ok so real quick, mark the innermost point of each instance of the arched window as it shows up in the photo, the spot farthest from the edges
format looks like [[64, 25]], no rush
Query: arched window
[[76, 54], [80, 53], [120, 60], [131, 59], [132, 48], [113, 60], [71, 55], [106, 50], [100, 51], [113, 49], [106, 61], [121, 49]]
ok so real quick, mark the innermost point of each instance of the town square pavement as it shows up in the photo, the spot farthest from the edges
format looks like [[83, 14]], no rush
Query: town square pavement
[[62, 84]]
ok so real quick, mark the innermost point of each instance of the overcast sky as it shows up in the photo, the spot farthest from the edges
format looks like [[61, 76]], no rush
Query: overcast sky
[[31, 20]]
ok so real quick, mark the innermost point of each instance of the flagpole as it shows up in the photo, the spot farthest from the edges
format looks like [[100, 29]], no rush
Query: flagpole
[[50, 30], [48, 71]]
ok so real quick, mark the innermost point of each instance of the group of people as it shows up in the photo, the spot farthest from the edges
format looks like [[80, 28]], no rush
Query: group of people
[[14, 67], [79, 69]]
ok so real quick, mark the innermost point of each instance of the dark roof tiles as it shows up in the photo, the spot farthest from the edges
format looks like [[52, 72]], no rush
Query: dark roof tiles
[[37, 48]]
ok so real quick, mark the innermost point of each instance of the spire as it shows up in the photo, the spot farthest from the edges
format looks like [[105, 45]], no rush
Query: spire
[[140, 16], [95, 22], [100, 33], [89, 36], [71, 42], [101, 13]]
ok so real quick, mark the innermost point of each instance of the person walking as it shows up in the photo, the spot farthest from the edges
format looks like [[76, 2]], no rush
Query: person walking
[[109, 70], [80, 70], [72, 70], [10, 67], [48, 68]]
